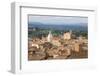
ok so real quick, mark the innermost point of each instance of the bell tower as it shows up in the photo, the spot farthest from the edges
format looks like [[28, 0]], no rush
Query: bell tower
[[49, 37]]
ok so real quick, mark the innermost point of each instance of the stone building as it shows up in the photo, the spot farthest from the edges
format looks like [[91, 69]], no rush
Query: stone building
[[49, 37], [76, 47], [56, 43], [67, 35]]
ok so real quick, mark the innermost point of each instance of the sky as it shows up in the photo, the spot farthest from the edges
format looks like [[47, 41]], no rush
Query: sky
[[57, 19]]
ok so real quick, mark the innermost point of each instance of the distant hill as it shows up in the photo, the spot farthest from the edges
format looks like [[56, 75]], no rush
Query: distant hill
[[78, 26]]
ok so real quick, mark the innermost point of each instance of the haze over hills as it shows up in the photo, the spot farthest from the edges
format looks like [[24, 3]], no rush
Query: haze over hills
[[74, 27]]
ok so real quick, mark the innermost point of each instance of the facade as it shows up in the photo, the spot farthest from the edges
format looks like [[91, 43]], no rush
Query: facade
[[76, 47], [49, 38], [67, 35]]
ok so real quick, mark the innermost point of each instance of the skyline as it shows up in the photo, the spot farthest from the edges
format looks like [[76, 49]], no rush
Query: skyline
[[58, 19]]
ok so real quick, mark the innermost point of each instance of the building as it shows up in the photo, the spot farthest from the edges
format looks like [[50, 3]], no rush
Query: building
[[76, 47], [56, 42], [49, 37], [67, 35]]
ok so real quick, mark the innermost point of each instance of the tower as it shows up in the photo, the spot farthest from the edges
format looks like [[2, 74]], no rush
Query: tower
[[49, 37], [70, 32], [67, 35]]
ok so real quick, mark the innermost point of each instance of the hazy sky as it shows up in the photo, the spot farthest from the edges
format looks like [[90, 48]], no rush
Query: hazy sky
[[58, 19]]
